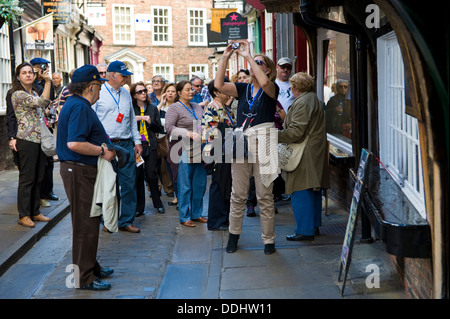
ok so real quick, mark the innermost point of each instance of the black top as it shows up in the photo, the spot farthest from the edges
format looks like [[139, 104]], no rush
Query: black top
[[155, 122], [263, 108]]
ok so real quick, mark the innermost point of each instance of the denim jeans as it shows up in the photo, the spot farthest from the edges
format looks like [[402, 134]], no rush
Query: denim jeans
[[127, 182], [191, 184], [307, 207]]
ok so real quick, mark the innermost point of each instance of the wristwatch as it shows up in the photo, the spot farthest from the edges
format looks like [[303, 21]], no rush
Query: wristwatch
[[102, 152], [12, 138]]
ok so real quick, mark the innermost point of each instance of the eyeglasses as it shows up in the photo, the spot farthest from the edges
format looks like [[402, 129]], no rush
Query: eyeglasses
[[286, 66], [259, 62], [141, 91], [197, 86], [102, 73], [343, 86]]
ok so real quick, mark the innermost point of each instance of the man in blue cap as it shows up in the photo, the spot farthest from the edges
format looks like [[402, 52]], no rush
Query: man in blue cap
[[115, 110], [40, 65], [79, 144]]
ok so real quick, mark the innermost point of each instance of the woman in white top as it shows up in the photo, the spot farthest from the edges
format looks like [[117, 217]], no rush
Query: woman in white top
[[168, 95]]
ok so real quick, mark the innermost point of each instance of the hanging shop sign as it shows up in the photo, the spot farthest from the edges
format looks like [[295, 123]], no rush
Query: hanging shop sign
[[39, 33], [60, 8], [233, 27], [214, 38]]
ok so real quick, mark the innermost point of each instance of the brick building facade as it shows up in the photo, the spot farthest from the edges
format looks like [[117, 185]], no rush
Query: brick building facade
[[167, 37]]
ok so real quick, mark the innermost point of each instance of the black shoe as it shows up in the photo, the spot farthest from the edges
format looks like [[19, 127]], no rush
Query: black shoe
[[232, 243], [172, 204], [296, 237], [269, 249], [170, 194], [52, 196], [276, 211], [251, 211], [316, 231], [97, 285], [138, 214], [161, 210], [105, 272], [223, 228]]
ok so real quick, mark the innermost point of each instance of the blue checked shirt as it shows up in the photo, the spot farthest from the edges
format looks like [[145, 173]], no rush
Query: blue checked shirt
[[108, 106]]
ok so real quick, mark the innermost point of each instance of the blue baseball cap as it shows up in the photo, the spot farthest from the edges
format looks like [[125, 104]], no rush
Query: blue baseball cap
[[119, 67], [39, 61], [86, 73]]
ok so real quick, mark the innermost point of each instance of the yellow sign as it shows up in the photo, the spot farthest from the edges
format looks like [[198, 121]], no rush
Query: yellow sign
[[218, 14]]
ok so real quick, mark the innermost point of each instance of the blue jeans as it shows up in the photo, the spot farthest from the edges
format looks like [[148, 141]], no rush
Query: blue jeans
[[307, 207], [191, 184], [127, 182]]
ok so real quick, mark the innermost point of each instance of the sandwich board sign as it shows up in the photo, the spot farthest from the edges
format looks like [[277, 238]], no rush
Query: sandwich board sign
[[349, 238]]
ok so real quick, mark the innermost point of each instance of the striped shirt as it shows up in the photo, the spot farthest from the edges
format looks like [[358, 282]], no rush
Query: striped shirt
[[180, 120]]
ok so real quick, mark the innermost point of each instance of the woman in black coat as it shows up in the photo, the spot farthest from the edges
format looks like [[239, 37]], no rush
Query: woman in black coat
[[149, 123]]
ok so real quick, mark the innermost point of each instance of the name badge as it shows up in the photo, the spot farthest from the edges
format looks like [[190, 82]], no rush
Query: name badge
[[119, 118]]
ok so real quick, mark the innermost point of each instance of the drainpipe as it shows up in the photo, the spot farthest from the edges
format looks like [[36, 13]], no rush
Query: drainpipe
[[308, 15]]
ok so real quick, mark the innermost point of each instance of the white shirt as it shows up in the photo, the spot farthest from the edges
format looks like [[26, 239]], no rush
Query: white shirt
[[285, 97]]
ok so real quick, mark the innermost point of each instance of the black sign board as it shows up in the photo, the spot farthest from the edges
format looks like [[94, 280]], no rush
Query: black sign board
[[214, 38], [60, 8], [233, 27], [347, 246]]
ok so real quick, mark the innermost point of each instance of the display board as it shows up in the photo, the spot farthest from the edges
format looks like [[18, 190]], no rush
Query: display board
[[349, 238]]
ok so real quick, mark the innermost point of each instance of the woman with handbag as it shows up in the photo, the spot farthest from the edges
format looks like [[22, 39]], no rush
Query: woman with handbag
[[305, 120], [29, 109], [216, 118], [257, 106], [183, 125], [168, 96], [148, 122]]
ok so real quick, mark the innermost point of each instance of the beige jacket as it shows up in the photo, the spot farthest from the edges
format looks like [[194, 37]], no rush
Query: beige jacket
[[305, 115], [104, 200]]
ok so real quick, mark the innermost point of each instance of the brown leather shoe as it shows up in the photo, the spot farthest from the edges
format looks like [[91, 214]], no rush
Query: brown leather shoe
[[189, 223], [201, 220], [26, 221], [40, 218], [131, 229]]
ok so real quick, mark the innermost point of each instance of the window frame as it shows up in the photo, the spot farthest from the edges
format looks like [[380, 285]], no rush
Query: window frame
[[5, 66], [132, 27], [399, 135], [198, 67], [203, 27], [167, 76], [169, 26]]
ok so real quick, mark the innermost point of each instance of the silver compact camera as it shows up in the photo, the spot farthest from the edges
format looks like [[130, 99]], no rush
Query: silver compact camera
[[235, 45]]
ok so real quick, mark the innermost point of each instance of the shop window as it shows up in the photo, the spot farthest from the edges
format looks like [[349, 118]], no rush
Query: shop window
[[399, 132], [334, 66]]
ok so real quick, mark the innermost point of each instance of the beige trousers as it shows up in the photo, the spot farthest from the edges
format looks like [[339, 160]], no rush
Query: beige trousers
[[241, 173]]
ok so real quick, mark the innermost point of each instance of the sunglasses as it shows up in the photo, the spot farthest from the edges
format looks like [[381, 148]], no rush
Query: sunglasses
[[287, 67], [259, 62], [141, 91], [197, 86], [102, 73]]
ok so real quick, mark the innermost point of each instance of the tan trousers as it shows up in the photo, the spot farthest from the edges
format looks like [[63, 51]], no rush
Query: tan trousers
[[241, 173]]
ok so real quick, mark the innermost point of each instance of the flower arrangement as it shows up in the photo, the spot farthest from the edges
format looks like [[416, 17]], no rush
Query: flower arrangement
[[10, 10]]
